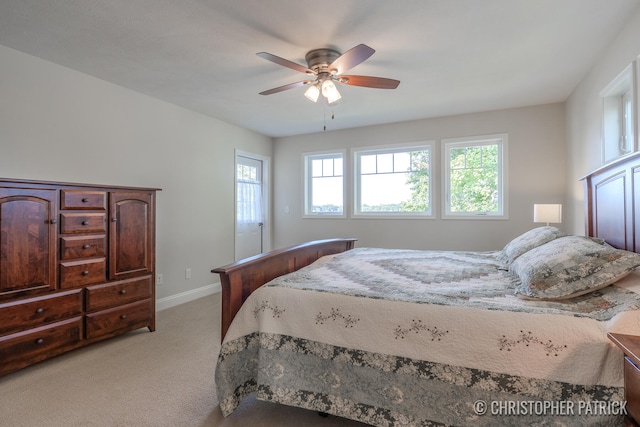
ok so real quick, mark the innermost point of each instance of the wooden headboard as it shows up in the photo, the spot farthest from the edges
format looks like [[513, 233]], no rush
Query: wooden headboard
[[612, 203]]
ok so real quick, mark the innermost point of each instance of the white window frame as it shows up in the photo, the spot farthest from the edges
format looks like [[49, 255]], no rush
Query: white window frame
[[357, 153], [502, 139], [307, 198], [619, 104]]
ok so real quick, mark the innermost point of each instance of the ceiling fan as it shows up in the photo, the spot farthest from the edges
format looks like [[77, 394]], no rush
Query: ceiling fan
[[326, 66]]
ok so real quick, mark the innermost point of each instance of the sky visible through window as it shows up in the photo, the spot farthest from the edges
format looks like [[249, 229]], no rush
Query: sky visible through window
[[376, 190], [383, 181]]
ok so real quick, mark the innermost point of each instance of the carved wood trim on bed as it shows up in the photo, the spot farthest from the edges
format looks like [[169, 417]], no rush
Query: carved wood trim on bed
[[241, 278], [612, 203]]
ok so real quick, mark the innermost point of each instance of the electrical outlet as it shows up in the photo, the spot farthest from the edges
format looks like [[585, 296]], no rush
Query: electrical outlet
[[187, 273], [159, 279]]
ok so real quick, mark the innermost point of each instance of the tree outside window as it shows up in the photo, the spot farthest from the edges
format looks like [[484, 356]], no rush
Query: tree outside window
[[393, 181], [474, 176]]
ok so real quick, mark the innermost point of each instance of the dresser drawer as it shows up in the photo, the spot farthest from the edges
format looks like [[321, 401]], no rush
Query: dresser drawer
[[83, 199], [100, 297], [83, 223], [81, 273], [115, 321], [72, 247], [632, 388], [33, 312], [24, 348]]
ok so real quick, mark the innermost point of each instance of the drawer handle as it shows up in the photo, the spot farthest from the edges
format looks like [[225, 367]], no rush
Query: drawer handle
[[40, 310], [85, 273], [85, 222], [124, 316], [54, 221], [85, 200], [86, 246], [40, 341], [123, 292], [114, 219]]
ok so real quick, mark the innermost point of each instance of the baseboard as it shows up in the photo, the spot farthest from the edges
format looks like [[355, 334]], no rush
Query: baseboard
[[181, 298]]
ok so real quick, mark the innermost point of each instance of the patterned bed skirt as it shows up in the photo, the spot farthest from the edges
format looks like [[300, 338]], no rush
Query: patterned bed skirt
[[384, 390]]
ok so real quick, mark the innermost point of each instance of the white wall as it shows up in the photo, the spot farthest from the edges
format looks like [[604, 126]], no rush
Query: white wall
[[584, 117], [536, 175], [60, 125]]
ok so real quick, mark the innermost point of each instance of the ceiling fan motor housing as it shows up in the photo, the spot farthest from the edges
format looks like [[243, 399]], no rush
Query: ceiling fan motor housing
[[319, 59]]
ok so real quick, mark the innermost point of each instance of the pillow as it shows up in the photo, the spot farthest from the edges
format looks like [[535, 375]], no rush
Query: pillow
[[527, 241], [570, 266]]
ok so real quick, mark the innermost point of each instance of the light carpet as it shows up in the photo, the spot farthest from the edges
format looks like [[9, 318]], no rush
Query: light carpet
[[164, 378]]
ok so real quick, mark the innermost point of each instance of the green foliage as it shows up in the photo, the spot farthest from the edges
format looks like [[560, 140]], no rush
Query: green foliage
[[473, 182], [418, 180], [474, 179]]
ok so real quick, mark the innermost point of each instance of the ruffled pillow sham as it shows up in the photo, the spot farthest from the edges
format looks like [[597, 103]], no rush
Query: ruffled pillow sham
[[570, 266], [527, 241]]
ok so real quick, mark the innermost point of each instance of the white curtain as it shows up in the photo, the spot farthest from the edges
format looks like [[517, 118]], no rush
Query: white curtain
[[249, 202]]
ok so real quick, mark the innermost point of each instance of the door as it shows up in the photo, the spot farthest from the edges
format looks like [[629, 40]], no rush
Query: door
[[27, 240], [131, 228], [250, 207]]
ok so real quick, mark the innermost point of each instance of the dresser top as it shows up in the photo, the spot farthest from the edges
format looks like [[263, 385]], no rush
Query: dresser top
[[629, 344], [30, 183]]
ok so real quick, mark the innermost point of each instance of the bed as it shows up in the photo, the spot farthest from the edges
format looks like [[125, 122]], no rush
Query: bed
[[419, 338]]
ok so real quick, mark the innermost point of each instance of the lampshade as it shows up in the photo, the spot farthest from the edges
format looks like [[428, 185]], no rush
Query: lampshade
[[330, 91], [549, 213], [312, 93]]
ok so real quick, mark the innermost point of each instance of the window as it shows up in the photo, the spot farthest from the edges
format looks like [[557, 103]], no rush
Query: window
[[324, 184], [475, 177], [618, 136], [393, 181], [248, 191]]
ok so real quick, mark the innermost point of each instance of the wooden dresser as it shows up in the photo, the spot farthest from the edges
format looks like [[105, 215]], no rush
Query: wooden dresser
[[630, 346], [77, 265]]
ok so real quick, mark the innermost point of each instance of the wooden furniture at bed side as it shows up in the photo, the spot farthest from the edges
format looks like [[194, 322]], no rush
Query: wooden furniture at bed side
[[612, 211], [241, 278], [612, 203], [630, 345], [77, 263]]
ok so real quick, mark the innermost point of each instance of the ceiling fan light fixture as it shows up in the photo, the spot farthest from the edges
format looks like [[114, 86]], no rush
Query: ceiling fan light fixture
[[327, 67], [312, 93], [330, 91]]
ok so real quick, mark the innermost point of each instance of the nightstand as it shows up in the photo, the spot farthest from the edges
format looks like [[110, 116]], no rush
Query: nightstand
[[630, 345]]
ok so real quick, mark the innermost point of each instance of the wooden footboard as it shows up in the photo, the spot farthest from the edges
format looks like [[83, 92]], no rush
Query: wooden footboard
[[241, 278]]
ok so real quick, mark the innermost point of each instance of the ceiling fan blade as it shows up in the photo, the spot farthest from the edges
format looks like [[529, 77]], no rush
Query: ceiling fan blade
[[285, 87], [366, 81], [351, 58], [284, 62]]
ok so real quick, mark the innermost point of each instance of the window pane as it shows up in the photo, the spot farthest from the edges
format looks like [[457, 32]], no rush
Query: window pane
[[326, 195], [316, 167], [246, 173], [490, 156], [402, 162], [385, 163], [384, 192], [457, 158], [397, 182], [420, 160], [474, 179], [368, 164]]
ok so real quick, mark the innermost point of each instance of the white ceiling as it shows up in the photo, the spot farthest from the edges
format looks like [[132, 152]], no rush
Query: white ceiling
[[451, 56]]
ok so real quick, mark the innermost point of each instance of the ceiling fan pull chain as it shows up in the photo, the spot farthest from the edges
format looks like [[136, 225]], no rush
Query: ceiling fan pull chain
[[324, 116]]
